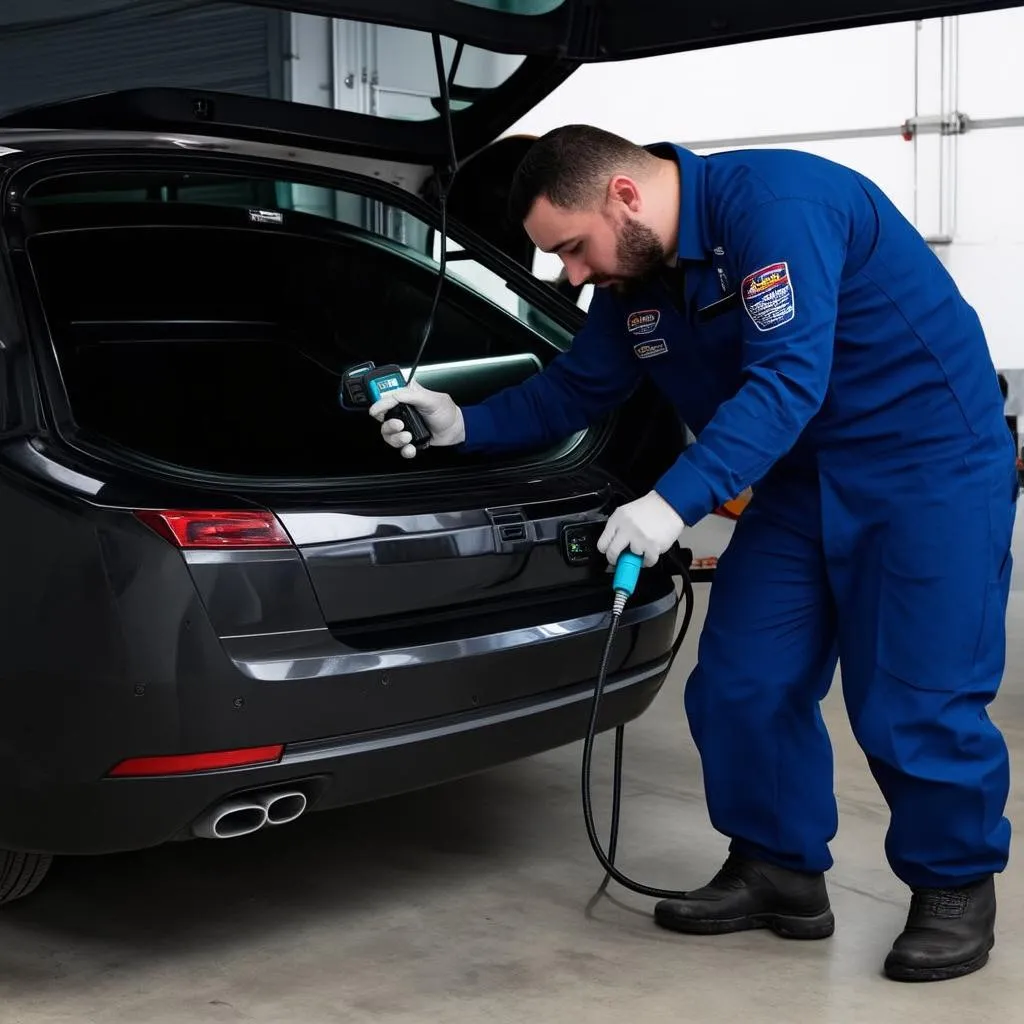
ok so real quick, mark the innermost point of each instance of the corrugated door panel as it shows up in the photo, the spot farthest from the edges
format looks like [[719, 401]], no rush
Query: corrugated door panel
[[235, 48]]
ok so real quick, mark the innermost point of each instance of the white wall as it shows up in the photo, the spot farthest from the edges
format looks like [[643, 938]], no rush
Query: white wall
[[775, 86], [860, 78]]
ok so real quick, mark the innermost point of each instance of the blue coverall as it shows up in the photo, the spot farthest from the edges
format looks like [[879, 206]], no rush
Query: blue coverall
[[821, 352]]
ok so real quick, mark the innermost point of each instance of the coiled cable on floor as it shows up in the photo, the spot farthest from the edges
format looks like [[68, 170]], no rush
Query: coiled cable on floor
[[608, 860]]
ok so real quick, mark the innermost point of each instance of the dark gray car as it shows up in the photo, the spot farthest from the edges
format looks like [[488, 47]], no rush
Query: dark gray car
[[225, 602]]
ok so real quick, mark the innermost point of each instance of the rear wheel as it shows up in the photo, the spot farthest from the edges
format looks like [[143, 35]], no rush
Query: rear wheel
[[21, 873]]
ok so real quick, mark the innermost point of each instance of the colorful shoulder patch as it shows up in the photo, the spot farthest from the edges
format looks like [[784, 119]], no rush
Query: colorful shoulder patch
[[768, 296]]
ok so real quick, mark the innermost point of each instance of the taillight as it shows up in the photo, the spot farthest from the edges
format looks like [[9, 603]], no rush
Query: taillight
[[184, 764], [217, 529]]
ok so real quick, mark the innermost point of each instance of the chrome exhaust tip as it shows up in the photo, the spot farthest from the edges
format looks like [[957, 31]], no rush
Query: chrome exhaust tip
[[231, 820], [283, 807]]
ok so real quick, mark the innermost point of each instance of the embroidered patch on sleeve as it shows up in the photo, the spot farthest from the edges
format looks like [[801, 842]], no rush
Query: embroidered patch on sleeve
[[768, 296]]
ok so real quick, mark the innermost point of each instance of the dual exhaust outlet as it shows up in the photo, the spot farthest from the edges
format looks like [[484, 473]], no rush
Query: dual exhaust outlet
[[241, 816]]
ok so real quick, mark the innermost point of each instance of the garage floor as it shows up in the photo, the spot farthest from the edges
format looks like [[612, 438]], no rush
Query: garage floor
[[472, 902]]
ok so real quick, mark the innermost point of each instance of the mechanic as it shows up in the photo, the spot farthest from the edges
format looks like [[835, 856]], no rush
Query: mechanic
[[819, 351]]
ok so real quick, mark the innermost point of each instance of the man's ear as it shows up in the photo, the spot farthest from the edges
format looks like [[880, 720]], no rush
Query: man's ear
[[624, 191]]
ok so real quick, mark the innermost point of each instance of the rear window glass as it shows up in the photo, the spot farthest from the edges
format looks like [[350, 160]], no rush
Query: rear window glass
[[204, 338], [274, 198]]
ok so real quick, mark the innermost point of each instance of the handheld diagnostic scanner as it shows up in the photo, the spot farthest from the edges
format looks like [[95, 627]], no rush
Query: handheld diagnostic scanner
[[364, 384]]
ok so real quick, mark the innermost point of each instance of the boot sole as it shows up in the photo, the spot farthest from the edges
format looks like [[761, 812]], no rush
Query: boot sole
[[786, 926], [901, 972]]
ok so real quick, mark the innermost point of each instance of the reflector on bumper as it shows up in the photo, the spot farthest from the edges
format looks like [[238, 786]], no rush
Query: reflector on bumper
[[183, 764]]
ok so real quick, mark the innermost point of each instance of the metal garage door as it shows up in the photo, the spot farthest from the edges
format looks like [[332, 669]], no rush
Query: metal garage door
[[47, 54]]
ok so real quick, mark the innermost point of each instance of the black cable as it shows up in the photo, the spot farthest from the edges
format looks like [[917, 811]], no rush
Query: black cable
[[445, 82], [608, 860], [445, 183], [613, 831]]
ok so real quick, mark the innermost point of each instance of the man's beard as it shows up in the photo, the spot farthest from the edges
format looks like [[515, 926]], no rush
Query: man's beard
[[639, 255]]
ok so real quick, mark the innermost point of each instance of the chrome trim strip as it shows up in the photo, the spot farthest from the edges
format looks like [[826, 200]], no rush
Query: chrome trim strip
[[317, 655]]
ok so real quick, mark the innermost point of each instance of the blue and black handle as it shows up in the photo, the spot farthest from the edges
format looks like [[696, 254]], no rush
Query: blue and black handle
[[366, 384]]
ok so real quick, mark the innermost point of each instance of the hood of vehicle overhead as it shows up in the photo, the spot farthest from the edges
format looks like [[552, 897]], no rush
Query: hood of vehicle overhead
[[516, 52]]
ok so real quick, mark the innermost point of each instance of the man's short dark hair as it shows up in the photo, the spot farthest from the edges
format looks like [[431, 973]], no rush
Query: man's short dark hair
[[570, 167]]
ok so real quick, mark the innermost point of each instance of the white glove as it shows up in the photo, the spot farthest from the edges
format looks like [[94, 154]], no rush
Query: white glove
[[443, 418], [648, 526]]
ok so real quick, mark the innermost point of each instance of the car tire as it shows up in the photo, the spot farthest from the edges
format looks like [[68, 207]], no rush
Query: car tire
[[21, 873]]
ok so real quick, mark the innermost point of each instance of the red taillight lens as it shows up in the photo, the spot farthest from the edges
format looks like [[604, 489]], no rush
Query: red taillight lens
[[217, 529], [182, 764]]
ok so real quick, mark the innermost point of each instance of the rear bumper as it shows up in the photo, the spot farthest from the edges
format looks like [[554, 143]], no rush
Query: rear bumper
[[139, 659], [115, 815]]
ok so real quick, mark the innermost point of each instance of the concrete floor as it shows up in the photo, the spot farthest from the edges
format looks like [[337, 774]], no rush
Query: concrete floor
[[470, 903]]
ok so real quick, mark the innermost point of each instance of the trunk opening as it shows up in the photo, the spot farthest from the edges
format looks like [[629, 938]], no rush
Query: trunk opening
[[188, 331]]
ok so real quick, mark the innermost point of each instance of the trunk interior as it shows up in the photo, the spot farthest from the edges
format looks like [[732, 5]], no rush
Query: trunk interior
[[189, 335]]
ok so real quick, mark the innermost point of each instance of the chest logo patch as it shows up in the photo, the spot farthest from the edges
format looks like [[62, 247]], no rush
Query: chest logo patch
[[768, 296], [644, 321], [650, 349]]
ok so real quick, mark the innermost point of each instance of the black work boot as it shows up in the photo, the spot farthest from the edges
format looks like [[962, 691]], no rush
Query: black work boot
[[949, 933], [748, 894]]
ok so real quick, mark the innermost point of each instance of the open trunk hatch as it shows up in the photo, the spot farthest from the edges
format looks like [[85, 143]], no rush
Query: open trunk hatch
[[513, 53], [588, 30]]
